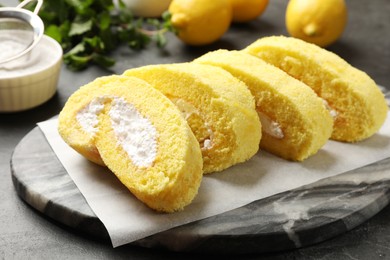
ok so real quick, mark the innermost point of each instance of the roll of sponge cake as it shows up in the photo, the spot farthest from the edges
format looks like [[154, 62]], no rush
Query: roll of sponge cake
[[218, 107], [295, 122], [150, 149], [355, 101]]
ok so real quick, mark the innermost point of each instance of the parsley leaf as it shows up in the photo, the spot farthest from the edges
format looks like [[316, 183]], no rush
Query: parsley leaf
[[89, 30]]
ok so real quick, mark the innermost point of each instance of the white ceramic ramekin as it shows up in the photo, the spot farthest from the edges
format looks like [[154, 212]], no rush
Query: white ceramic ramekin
[[21, 88]]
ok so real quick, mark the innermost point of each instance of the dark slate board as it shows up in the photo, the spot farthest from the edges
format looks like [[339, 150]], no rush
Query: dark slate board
[[293, 219]]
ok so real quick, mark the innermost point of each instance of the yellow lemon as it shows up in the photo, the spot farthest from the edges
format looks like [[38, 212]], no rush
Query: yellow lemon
[[317, 21], [200, 22], [247, 10]]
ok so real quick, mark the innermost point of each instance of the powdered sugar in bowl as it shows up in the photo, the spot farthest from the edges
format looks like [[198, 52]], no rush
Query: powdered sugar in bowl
[[31, 79]]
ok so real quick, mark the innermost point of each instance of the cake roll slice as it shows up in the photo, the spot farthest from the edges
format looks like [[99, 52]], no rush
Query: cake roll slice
[[143, 139], [218, 107], [78, 120], [354, 100], [295, 121]]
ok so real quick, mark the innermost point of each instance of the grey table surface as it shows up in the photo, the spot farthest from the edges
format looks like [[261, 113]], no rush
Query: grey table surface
[[27, 234]]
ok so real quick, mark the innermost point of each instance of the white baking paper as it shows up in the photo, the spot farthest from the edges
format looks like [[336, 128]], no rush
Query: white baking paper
[[127, 219]]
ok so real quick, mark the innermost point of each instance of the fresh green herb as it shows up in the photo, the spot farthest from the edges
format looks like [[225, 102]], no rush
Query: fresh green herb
[[89, 30]]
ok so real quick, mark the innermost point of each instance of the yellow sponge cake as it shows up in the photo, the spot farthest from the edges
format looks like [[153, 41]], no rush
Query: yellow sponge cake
[[295, 122], [218, 107], [356, 103], [150, 148]]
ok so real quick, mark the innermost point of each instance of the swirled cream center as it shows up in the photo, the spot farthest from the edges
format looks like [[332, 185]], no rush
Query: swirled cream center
[[134, 132], [199, 127], [269, 126]]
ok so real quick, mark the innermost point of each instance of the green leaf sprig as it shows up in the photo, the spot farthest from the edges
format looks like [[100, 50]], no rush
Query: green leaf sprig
[[89, 30]]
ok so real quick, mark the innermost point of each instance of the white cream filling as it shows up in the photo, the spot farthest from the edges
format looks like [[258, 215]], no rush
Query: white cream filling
[[270, 127], [207, 143], [134, 132], [187, 109], [88, 116], [333, 113]]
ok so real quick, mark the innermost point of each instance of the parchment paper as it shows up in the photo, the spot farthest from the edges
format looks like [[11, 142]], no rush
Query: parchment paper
[[127, 219]]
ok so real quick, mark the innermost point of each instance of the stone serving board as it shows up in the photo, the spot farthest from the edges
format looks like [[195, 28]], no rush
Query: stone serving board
[[297, 218]]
